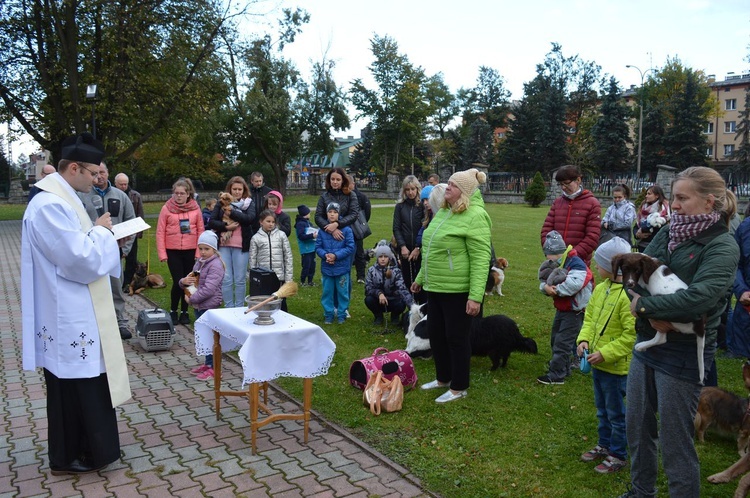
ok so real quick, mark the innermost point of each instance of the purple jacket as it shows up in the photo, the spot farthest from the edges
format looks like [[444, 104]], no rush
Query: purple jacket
[[208, 295]]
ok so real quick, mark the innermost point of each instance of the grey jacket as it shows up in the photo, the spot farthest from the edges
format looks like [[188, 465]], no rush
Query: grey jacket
[[118, 204]]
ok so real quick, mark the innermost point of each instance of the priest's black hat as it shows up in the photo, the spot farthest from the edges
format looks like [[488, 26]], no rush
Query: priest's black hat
[[83, 148]]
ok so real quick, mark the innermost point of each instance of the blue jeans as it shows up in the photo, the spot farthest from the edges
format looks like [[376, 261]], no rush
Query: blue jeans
[[335, 290], [235, 276], [609, 397]]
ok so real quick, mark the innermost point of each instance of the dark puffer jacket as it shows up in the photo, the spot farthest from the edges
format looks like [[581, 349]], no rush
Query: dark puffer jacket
[[377, 282], [578, 220], [407, 220], [348, 208]]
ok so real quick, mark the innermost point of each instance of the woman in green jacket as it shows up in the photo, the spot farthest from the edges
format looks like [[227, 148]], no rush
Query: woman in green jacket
[[455, 264], [664, 379]]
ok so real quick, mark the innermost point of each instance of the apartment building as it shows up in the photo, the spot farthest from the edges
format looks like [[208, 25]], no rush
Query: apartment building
[[721, 133]]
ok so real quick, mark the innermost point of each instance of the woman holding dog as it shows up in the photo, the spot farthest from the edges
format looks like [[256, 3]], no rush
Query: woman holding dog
[[234, 225], [455, 252], [655, 202], [664, 379]]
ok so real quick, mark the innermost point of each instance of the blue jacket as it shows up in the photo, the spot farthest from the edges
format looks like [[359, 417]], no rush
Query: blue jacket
[[740, 337], [306, 240], [343, 249]]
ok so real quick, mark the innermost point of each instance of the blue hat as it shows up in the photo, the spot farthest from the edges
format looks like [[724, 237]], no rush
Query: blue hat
[[426, 192]]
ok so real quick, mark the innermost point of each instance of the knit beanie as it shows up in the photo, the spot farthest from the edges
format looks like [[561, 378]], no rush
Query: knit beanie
[[554, 243], [384, 251], [425, 194], [303, 210], [468, 181], [209, 239], [605, 252], [333, 206]]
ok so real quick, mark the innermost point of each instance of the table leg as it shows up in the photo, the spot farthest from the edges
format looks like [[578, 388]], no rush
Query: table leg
[[217, 373], [253, 393], [307, 403]]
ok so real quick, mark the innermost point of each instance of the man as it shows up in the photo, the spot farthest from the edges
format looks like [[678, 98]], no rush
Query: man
[[258, 192], [131, 260], [115, 202], [47, 169], [433, 179], [69, 327]]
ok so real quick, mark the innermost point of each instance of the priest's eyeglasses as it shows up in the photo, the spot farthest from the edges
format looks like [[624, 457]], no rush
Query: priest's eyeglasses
[[93, 173]]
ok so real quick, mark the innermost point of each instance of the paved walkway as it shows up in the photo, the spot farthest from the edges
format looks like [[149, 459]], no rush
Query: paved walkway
[[172, 444]]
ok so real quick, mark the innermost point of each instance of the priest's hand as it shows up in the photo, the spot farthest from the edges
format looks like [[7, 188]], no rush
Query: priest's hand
[[105, 221]]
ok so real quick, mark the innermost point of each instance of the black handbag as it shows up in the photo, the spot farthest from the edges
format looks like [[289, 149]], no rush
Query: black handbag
[[360, 227]]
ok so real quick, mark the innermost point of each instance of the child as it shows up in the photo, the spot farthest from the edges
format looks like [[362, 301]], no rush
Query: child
[[384, 287], [210, 204], [275, 202], [570, 298], [270, 248], [335, 268], [306, 235], [620, 215], [206, 276], [608, 333]]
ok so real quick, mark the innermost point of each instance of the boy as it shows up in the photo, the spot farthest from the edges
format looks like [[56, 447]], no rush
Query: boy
[[608, 333], [570, 298], [336, 256], [306, 235]]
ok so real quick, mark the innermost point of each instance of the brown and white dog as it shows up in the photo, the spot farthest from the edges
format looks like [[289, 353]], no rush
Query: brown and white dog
[[725, 410], [742, 465], [659, 280], [496, 277], [142, 280], [225, 201]]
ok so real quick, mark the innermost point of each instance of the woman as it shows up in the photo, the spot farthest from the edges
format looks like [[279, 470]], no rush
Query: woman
[[340, 191], [576, 214], [407, 220], [620, 215], [177, 231], [664, 379], [234, 240], [456, 254], [655, 202], [738, 326]]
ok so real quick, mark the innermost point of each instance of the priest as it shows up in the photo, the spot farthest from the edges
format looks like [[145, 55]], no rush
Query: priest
[[69, 324]]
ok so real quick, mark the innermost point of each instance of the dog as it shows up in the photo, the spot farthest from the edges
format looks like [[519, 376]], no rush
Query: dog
[[659, 280], [495, 336], [725, 410], [741, 466], [496, 277], [225, 201], [142, 280]]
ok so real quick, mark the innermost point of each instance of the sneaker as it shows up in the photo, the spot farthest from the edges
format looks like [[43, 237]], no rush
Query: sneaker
[[207, 374], [449, 396], [630, 493], [173, 316], [597, 453], [184, 318], [610, 464], [328, 322], [378, 320], [347, 315], [125, 333], [199, 370], [360, 280], [312, 284], [545, 379]]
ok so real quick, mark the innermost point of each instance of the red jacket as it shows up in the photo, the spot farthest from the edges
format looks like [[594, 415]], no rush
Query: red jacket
[[578, 221]]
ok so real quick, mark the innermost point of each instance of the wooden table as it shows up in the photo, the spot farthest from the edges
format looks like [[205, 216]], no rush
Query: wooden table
[[291, 347]]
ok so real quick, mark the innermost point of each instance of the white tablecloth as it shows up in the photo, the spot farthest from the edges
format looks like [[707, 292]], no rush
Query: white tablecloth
[[292, 347]]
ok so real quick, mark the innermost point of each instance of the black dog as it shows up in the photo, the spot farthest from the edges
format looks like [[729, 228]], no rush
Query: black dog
[[495, 336]]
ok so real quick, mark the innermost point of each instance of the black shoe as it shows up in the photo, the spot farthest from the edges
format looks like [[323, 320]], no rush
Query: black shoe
[[378, 320], [545, 379], [125, 333], [184, 318], [173, 316], [395, 318], [75, 467]]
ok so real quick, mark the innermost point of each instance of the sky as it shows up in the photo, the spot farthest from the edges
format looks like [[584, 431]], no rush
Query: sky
[[456, 38]]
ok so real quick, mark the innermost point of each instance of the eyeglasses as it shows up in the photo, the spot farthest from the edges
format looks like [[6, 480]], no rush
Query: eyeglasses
[[565, 184], [93, 173]]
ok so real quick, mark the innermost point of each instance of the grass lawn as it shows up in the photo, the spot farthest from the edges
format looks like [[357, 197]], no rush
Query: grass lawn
[[511, 436]]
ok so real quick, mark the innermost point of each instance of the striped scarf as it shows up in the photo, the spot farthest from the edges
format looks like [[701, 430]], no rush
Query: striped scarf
[[685, 227]]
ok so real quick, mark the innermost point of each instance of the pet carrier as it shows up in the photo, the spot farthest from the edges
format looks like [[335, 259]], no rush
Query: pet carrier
[[155, 330]]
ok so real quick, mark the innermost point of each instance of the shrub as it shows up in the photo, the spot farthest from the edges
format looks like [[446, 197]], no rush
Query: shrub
[[536, 192]]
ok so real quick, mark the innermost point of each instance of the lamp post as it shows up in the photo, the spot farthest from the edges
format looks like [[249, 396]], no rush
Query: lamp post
[[91, 96], [640, 120]]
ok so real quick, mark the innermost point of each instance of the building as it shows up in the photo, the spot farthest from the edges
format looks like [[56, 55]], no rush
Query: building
[[721, 133], [301, 168]]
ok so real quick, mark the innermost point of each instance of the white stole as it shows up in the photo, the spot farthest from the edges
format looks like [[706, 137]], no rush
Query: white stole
[[104, 311]]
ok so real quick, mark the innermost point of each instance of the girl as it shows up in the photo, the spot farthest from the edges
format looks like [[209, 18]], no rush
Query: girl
[[269, 248], [206, 278], [620, 215], [384, 287], [275, 203], [655, 202], [177, 231]]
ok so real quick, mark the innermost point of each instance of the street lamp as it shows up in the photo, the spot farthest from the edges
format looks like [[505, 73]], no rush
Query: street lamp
[[91, 96], [640, 121]]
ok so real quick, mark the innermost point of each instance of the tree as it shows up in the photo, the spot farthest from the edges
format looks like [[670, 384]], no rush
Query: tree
[[477, 145], [536, 192], [518, 150], [155, 64], [488, 100], [611, 134], [443, 105], [742, 153], [685, 141], [398, 108], [359, 161]]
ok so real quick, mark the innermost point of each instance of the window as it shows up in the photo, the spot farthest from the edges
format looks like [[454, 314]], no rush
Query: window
[[729, 126], [710, 151], [728, 150], [709, 128], [730, 104]]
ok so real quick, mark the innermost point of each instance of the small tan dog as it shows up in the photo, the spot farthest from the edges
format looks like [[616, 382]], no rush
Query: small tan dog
[[741, 466], [225, 201], [142, 280], [496, 277]]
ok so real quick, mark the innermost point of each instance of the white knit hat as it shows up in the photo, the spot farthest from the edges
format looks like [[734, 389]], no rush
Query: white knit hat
[[210, 239], [605, 252], [468, 181]]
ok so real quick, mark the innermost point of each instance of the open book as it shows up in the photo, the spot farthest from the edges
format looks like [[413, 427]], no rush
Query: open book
[[130, 227]]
